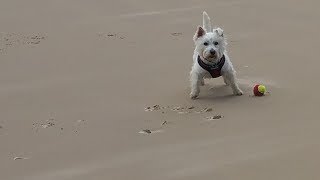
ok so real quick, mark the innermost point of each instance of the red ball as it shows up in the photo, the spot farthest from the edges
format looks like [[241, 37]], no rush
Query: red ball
[[256, 91]]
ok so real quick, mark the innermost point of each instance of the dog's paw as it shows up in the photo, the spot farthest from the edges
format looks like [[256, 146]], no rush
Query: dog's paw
[[194, 96], [238, 93]]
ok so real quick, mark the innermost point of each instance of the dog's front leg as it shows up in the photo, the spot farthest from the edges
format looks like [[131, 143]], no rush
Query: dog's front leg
[[195, 80], [230, 77]]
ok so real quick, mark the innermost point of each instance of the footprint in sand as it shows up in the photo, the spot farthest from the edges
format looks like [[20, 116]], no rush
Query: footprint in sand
[[51, 122], [214, 118], [110, 36], [178, 109], [148, 131], [11, 40]]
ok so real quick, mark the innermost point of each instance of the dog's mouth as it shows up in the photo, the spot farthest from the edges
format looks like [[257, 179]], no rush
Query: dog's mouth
[[210, 58]]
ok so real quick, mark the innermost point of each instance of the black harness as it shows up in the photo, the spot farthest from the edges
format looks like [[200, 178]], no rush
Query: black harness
[[215, 69]]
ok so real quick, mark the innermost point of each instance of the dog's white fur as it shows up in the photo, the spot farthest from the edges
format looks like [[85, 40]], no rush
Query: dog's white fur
[[207, 39]]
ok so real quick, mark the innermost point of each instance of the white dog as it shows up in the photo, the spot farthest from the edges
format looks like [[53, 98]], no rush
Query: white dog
[[210, 59]]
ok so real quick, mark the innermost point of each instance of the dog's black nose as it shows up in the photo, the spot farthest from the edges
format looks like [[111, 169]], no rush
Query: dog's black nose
[[212, 51]]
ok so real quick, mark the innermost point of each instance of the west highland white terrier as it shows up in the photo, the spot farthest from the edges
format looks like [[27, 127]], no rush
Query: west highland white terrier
[[210, 58]]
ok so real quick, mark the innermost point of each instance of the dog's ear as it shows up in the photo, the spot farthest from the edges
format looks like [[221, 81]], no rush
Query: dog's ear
[[219, 31], [199, 33]]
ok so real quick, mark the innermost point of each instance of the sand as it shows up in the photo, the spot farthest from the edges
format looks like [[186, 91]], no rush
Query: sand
[[76, 77]]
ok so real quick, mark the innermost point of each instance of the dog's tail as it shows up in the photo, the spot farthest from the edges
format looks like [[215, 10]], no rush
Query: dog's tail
[[206, 22]]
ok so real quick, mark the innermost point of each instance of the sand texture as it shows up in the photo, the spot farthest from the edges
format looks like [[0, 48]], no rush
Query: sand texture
[[99, 90]]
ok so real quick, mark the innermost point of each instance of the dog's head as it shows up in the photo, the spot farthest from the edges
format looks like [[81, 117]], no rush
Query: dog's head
[[210, 43]]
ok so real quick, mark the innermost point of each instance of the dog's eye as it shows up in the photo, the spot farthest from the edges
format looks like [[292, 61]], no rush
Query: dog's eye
[[205, 43], [215, 43]]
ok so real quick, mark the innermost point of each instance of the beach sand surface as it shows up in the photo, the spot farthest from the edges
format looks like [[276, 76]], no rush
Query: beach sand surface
[[76, 77]]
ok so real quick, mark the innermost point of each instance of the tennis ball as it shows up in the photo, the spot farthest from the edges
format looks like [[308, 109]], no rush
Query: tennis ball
[[259, 90]]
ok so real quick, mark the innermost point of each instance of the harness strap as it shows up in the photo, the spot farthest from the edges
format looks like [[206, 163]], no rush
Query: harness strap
[[214, 70]]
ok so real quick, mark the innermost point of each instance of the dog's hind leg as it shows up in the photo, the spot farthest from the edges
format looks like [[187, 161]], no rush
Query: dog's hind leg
[[202, 82], [226, 81]]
